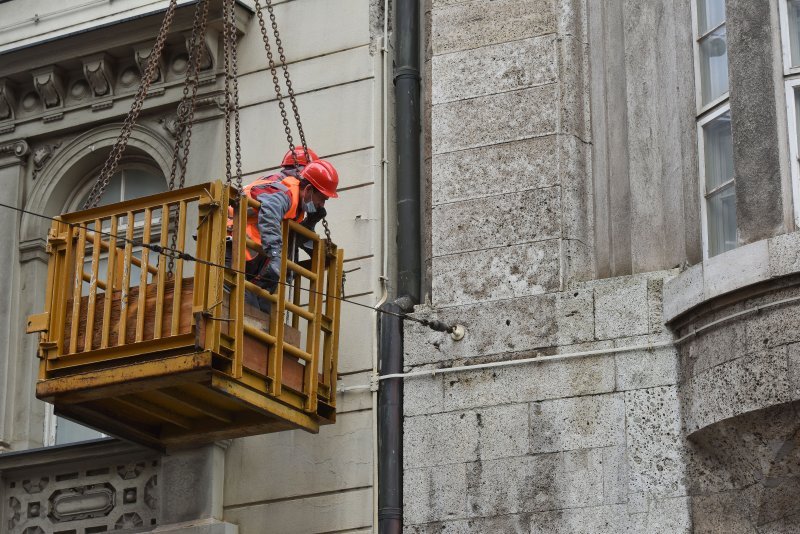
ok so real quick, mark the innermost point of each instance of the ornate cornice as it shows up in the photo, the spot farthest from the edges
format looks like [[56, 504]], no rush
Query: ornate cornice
[[49, 83], [98, 70], [18, 148]]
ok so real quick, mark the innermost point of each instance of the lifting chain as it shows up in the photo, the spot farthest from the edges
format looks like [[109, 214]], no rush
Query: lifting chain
[[110, 166], [231, 93], [289, 90]]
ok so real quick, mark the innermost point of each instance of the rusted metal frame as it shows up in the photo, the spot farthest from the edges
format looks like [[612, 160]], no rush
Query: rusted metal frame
[[125, 288], [299, 311], [287, 409], [151, 347], [109, 289], [161, 277], [177, 295], [330, 311], [295, 304], [260, 292], [270, 340], [65, 272], [142, 300], [311, 372], [194, 404], [87, 277], [237, 295], [196, 192], [155, 410], [302, 271], [80, 251], [218, 229], [337, 312], [275, 361], [52, 304], [91, 304], [258, 382], [105, 245]]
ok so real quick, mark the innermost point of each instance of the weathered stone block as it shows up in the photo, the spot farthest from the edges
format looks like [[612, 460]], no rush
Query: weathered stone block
[[578, 195], [655, 455], [504, 273], [533, 483], [615, 475], [434, 494], [772, 327], [736, 268], [794, 369], [507, 524], [515, 166], [595, 520], [529, 382], [494, 69], [466, 25], [655, 305], [423, 395], [621, 308], [500, 118], [577, 423], [457, 437], [646, 368], [575, 316], [784, 254], [497, 221], [714, 346], [492, 328], [683, 292]]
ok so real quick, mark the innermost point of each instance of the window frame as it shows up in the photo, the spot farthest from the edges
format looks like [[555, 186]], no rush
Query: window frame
[[701, 153], [786, 40], [698, 75], [792, 85]]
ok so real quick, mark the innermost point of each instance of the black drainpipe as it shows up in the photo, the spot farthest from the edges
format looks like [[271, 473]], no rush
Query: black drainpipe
[[390, 394]]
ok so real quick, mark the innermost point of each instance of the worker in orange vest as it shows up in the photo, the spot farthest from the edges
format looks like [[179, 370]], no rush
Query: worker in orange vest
[[287, 195]]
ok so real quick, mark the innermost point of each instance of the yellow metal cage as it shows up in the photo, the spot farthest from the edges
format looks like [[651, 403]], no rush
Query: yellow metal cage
[[164, 350]]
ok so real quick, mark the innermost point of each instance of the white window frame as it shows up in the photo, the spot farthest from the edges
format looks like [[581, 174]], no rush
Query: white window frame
[[701, 153], [786, 41], [794, 138], [698, 85]]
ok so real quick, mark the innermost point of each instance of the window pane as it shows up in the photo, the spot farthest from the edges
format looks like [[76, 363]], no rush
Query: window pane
[[718, 151], [714, 65], [141, 182], [722, 220], [69, 432], [112, 193], [710, 13], [794, 30]]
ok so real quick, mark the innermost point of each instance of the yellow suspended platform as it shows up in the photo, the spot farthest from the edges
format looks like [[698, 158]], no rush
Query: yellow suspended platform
[[164, 351]]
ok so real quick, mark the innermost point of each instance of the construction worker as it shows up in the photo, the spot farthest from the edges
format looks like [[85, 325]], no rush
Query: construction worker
[[300, 198]]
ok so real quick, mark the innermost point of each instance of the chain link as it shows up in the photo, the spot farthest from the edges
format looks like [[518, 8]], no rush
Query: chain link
[[110, 166]]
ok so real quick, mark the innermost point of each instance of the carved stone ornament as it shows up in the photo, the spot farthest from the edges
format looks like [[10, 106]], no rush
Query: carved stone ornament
[[49, 83], [8, 100], [142, 54], [208, 49], [41, 155], [17, 148], [98, 70], [170, 124]]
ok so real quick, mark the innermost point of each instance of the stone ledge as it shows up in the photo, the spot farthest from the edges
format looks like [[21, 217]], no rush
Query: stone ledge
[[730, 271]]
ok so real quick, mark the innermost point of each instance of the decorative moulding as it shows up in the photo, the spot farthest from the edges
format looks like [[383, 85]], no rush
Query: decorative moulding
[[8, 100], [142, 54], [49, 84], [99, 72]]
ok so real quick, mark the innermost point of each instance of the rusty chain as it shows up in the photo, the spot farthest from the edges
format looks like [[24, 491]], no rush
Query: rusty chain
[[110, 166]]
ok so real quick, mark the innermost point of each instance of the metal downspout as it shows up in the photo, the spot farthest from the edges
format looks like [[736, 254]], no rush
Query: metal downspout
[[407, 135]]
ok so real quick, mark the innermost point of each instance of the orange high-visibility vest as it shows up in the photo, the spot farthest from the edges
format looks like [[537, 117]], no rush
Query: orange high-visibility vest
[[276, 183]]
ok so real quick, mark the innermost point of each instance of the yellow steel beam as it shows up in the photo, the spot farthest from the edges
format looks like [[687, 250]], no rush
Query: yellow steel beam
[[154, 410], [194, 404]]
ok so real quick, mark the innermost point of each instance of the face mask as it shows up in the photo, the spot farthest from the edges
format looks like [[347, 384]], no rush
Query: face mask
[[309, 208]]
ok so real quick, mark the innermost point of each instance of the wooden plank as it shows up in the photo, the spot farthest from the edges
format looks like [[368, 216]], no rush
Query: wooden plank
[[111, 424], [148, 215], [80, 250], [195, 404], [179, 244], [162, 272], [95, 275], [154, 410], [111, 274], [126, 281]]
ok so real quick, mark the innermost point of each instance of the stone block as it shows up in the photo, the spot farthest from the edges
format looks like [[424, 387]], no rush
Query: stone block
[[423, 395], [492, 328], [496, 221], [643, 369], [515, 166], [507, 524], [504, 273], [655, 305], [533, 483], [468, 25], [529, 382], [577, 423], [493, 119], [578, 260], [794, 369], [575, 316], [683, 292], [655, 451], [468, 436], [739, 386], [667, 515], [772, 327], [784, 254], [712, 347], [595, 520], [736, 268], [621, 308], [494, 69], [578, 195], [615, 475], [574, 98], [434, 494]]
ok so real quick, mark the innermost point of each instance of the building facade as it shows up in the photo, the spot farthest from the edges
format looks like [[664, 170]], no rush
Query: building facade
[[609, 207]]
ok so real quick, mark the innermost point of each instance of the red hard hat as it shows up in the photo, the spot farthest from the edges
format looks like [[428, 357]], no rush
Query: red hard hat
[[319, 174], [300, 153]]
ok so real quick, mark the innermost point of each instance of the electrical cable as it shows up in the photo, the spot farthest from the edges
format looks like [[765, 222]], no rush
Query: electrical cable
[[173, 253]]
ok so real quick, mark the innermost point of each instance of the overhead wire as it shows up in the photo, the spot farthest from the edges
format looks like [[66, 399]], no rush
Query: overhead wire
[[173, 253]]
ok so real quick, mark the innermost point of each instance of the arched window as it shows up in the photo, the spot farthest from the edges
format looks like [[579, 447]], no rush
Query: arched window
[[135, 177]]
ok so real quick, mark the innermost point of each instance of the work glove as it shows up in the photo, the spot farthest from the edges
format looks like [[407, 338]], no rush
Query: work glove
[[271, 276]]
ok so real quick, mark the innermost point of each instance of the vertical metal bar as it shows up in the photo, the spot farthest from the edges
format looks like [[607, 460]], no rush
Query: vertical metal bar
[[298, 284], [311, 373], [124, 298], [162, 272], [276, 320], [239, 246], [51, 305], [92, 301], [337, 309], [330, 303], [219, 219], [111, 275], [178, 287], [142, 300], [63, 272], [80, 251]]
